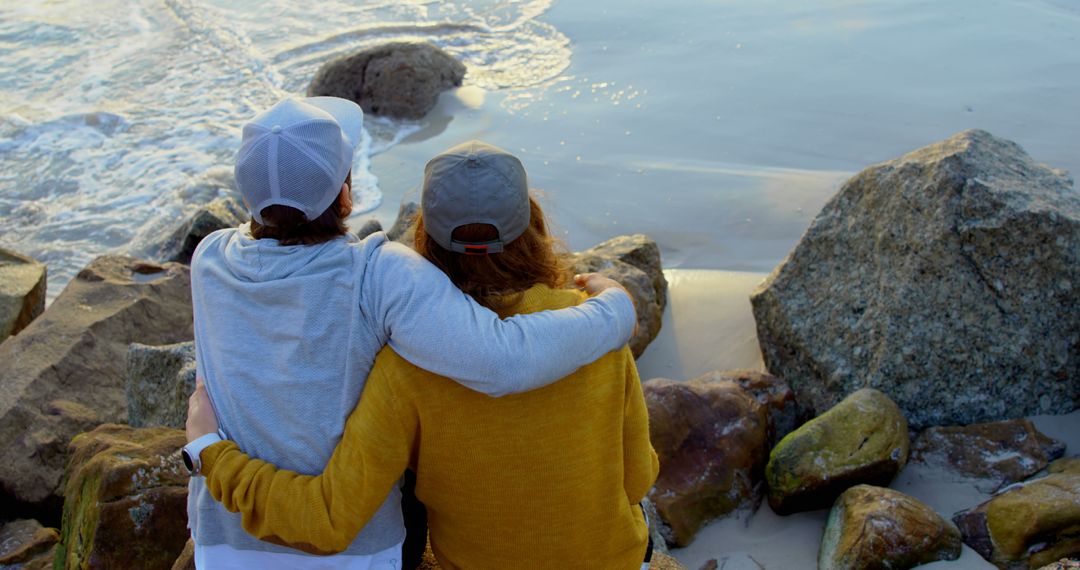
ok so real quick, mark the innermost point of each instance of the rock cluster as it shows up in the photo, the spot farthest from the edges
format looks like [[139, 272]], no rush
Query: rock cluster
[[64, 374], [397, 79], [947, 278], [22, 292]]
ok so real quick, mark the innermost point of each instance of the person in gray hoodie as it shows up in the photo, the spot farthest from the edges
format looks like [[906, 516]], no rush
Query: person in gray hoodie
[[290, 311]]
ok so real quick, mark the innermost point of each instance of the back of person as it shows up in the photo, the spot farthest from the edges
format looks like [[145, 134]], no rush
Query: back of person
[[529, 480]]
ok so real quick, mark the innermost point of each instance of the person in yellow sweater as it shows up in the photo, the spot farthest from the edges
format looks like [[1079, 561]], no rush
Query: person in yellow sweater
[[533, 480]]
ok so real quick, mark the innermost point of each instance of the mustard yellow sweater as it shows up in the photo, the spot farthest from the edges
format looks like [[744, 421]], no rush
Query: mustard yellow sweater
[[519, 481]]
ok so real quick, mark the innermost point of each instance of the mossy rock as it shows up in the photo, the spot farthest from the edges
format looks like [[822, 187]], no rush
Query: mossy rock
[[861, 440], [125, 499], [874, 527]]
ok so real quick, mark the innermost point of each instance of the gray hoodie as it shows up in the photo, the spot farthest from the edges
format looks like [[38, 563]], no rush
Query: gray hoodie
[[285, 337]]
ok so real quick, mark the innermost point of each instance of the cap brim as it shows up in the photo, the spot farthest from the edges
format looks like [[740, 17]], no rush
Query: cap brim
[[349, 116]]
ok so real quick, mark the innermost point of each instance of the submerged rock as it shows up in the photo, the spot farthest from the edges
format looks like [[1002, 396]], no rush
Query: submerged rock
[[711, 437], [861, 440], [397, 79], [222, 213], [64, 374], [159, 381], [998, 452], [22, 291], [1027, 525], [633, 261], [126, 499], [948, 278], [873, 527]]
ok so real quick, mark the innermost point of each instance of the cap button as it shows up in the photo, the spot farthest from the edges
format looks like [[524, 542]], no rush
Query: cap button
[[276, 129]]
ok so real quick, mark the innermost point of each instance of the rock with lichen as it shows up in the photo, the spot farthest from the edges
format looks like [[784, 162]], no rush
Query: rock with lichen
[[948, 278], [861, 440]]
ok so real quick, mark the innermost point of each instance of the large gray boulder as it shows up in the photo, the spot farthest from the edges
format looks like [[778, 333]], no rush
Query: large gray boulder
[[64, 374], [948, 278], [159, 381], [398, 79], [22, 291]]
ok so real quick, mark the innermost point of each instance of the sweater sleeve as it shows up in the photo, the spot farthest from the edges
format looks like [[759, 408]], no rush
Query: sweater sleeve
[[640, 464], [432, 324], [319, 514]]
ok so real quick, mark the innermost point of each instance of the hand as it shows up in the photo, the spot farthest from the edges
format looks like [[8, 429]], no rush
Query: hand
[[594, 283], [200, 413]]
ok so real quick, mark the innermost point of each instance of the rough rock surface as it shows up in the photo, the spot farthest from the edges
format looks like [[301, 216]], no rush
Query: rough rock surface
[[22, 291], [998, 452], [1029, 524], [771, 392], [404, 228], [126, 499], [861, 440], [222, 213], [711, 436], [873, 527], [24, 540], [186, 560], [159, 381], [633, 261], [948, 278], [1063, 564], [64, 374], [371, 225], [397, 79]]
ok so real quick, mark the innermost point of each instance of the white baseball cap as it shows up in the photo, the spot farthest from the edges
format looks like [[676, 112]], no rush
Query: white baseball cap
[[298, 153]]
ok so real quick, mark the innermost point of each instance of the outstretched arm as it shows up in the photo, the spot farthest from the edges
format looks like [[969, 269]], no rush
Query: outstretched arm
[[320, 514], [435, 326]]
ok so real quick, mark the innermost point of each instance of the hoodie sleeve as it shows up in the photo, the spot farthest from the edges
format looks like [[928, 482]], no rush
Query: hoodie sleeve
[[432, 324]]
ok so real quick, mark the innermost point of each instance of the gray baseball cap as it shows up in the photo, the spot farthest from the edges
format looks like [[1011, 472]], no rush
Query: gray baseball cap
[[298, 153], [475, 183]]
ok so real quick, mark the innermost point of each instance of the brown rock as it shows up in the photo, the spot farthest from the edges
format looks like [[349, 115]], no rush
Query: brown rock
[[64, 373], [186, 560], [633, 261], [999, 452], [397, 79], [861, 440], [1027, 525], [126, 499], [22, 291], [873, 527], [711, 437], [771, 392], [24, 540]]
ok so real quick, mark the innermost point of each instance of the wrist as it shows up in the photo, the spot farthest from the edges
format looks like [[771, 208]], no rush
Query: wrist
[[192, 452]]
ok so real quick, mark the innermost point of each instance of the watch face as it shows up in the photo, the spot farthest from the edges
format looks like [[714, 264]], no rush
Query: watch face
[[187, 460]]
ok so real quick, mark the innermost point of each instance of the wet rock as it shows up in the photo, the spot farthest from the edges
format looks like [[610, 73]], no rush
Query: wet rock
[[861, 440], [370, 226], [186, 560], [999, 453], [1027, 525], [947, 278], [633, 261], [397, 79], [222, 213], [22, 291], [771, 392], [126, 499], [159, 381], [24, 540], [712, 441], [873, 527], [64, 374], [404, 228]]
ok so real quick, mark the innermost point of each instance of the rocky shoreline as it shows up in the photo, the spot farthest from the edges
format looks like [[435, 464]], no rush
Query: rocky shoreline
[[933, 303]]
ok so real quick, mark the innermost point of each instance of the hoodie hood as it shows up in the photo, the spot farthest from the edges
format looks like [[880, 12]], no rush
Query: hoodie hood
[[261, 260]]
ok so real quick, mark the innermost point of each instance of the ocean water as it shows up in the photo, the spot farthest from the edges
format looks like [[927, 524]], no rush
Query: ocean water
[[718, 127], [119, 117]]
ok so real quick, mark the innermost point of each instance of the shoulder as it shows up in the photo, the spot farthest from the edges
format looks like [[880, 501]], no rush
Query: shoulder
[[212, 245]]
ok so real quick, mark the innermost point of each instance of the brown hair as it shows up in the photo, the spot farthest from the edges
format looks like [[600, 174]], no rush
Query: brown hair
[[533, 258], [291, 227]]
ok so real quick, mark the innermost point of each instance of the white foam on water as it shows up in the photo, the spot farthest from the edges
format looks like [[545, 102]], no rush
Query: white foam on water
[[118, 118]]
